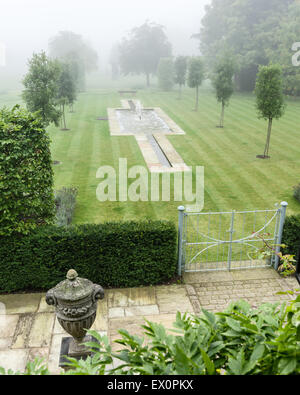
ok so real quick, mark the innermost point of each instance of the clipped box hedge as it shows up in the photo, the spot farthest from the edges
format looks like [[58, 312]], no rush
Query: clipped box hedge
[[127, 254], [291, 235]]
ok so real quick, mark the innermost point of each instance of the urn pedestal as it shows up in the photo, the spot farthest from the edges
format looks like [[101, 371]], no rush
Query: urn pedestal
[[75, 300]]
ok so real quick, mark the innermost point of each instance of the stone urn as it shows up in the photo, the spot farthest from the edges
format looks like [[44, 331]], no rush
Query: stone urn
[[75, 300]]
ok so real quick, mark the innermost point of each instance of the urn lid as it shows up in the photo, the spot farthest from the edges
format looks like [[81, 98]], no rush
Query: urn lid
[[73, 288]]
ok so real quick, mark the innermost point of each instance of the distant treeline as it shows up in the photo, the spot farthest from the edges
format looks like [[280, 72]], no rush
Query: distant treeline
[[257, 33]]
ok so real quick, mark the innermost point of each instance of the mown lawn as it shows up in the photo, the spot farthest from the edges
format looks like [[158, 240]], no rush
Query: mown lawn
[[234, 177]]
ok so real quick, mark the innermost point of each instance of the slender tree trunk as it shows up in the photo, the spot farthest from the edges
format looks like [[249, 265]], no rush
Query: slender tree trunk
[[180, 91], [64, 117], [148, 79], [267, 146], [222, 115], [197, 98], [61, 120]]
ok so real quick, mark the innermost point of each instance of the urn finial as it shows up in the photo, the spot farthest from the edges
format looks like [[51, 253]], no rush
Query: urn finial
[[72, 275]]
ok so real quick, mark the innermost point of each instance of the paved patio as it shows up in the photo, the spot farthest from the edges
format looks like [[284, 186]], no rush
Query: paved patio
[[28, 327]]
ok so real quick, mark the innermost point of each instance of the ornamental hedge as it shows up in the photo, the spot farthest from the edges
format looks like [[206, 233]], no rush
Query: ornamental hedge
[[127, 254], [26, 175], [291, 235]]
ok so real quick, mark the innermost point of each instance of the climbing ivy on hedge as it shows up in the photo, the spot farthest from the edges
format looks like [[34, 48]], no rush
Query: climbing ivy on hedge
[[127, 254], [26, 176]]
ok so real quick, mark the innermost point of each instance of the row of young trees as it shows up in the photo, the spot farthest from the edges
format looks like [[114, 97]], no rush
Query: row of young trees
[[183, 70], [269, 86], [147, 51], [192, 71]]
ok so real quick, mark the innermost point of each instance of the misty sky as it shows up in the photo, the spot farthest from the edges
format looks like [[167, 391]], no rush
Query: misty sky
[[27, 25]]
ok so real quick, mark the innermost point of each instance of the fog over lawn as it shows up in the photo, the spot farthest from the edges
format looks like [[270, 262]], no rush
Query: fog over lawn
[[27, 25]]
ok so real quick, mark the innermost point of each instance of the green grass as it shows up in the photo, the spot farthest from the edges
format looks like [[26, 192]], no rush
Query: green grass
[[234, 177]]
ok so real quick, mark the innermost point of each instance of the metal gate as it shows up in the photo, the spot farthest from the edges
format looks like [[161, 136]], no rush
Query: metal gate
[[227, 240]]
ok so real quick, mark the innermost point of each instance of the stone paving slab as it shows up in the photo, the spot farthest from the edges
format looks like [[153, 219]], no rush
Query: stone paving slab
[[14, 359], [8, 324], [29, 328], [173, 298], [134, 326], [24, 303], [41, 330], [215, 290], [22, 331]]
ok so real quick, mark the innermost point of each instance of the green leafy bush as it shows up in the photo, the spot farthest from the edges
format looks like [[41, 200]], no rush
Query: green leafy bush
[[26, 176], [291, 235], [237, 341], [126, 254], [65, 200], [297, 192]]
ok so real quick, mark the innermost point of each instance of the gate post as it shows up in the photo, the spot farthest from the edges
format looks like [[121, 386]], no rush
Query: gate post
[[280, 231], [298, 267], [231, 230], [180, 238]]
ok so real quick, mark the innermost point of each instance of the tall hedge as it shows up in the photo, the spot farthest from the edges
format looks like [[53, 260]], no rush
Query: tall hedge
[[291, 235], [26, 176], [127, 254]]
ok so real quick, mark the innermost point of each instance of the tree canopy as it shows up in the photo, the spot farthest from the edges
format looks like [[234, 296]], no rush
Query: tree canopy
[[165, 74], [114, 61], [269, 97], [256, 31], [288, 33], [222, 80], [66, 90], [180, 71], [196, 75], [41, 87], [141, 51], [72, 48]]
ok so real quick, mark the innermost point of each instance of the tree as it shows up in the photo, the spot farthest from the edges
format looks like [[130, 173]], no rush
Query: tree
[[70, 47], [269, 98], [180, 71], [114, 61], [66, 91], [288, 33], [165, 74], [26, 175], [141, 51], [249, 28], [196, 76], [41, 88], [222, 81]]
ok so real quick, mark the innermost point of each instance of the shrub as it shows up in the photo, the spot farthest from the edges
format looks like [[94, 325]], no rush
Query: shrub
[[26, 176], [237, 341], [127, 254], [297, 192], [291, 235], [65, 200]]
